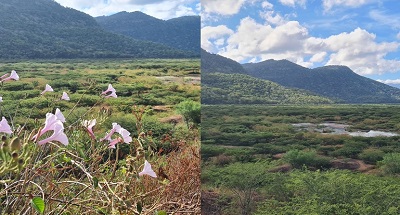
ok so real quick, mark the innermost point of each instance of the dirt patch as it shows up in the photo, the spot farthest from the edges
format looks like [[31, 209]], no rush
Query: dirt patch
[[161, 108], [278, 156], [172, 119], [351, 164], [282, 168]]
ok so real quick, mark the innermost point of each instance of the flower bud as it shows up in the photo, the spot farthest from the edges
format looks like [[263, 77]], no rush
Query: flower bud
[[15, 144]]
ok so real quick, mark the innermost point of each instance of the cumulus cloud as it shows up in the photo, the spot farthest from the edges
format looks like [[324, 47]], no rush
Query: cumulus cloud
[[357, 49], [222, 7], [389, 81], [267, 5], [214, 37], [292, 3], [273, 18], [329, 4], [162, 9]]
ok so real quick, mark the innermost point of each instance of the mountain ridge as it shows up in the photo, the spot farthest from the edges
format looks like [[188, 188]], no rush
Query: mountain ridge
[[181, 33], [337, 82], [43, 29]]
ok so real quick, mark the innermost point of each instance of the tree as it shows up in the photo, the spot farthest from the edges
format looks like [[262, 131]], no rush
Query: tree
[[190, 110]]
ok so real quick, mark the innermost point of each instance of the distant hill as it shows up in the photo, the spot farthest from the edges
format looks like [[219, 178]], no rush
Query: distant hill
[[180, 33], [45, 29], [336, 82], [224, 81], [215, 63], [221, 88]]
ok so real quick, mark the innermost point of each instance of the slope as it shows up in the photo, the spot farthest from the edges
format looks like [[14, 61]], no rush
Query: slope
[[336, 82], [45, 29], [224, 81], [181, 33]]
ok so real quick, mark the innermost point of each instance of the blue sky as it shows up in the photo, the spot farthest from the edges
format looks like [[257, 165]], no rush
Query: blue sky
[[361, 34], [162, 9]]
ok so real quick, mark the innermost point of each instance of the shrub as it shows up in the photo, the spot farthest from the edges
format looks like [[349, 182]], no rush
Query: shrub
[[299, 159], [371, 155], [390, 163]]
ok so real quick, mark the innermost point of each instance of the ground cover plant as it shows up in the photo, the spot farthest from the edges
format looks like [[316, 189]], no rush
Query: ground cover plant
[[100, 137], [300, 170]]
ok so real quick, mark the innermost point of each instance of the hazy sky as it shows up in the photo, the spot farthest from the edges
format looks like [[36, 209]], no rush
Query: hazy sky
[[162, 9], [361, 34]]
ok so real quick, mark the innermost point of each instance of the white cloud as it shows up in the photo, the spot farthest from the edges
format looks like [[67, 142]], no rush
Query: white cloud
[[329, 4], [214, 37], [266, 5], [162, 9], [398, 36], [292, 3], [385, 19], [389, 81], [222, 7], [357, 49], [273, 18], [318, 57]]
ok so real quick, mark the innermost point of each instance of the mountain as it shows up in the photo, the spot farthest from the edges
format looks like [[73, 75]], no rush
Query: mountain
[[336, 82], [224, 81], [215, 63], [45, 29], [222, 88], [180, 33]]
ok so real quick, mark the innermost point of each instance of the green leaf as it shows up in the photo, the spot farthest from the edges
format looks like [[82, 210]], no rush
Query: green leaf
[[95, 182], [161, 213], [139, 207], [38, 204]]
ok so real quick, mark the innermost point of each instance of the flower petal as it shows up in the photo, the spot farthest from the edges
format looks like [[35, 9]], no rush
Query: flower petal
[[65, 96], [4, 126], [147, 170]]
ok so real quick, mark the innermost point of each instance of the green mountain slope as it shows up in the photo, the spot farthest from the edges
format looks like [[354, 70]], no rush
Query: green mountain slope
[[220, 88], [181, 33], [45, 29], [224, 81], [215, 63], [336, 82]]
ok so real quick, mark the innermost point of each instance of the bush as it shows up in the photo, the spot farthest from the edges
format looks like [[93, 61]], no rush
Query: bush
[[299, 159], [371, 155], [390, 163]]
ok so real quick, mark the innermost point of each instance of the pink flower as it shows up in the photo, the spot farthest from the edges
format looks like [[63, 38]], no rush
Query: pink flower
[[13, 76], [4, 126], [59, 115], [48, 88], [113, 94], [65, 96], [115, 128], [147, 170], [125, 135], [111, 91], [58, 134], [89, 127], [113, 142], [51, 119]]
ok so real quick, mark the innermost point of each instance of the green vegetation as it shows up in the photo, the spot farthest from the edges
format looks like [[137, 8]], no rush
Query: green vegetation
[[339, 83], [180, 33], [87, 176], [299, 171], [43, 29], [220, 88]]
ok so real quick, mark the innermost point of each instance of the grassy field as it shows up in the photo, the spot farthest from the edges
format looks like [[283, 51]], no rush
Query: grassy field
[[157, 103], [255, 160]]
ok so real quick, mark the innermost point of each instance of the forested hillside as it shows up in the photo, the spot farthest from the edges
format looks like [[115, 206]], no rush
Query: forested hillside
[[45, 29], [180, 33], [336, 82]]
